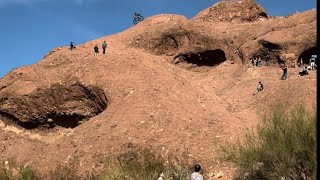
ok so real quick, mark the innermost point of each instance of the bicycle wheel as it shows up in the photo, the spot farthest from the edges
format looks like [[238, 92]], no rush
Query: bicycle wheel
[[135, 21]]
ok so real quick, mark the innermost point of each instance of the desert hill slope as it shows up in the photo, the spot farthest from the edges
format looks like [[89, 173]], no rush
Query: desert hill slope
[[179, 87]]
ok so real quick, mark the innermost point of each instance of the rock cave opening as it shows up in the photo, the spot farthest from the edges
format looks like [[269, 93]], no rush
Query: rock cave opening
[[65, 106], [269, 46], [306, 55], [205, 58]]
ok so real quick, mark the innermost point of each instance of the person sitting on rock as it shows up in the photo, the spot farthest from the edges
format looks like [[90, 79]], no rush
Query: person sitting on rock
[[304, 72], [196, 174], [259, 88], [161, 177]]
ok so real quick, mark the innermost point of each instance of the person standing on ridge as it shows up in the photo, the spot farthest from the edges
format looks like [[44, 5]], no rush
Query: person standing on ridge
[[104, 46], [72, 46], [196, 174], [96, 50]]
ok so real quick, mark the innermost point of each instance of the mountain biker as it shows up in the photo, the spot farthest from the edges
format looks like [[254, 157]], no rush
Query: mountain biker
[[137, 18]]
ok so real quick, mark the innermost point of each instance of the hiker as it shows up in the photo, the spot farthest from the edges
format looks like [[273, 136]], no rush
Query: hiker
[[312, 63], [252, 61], [304, 72], [255, 61], [267, 59], [104, 46], [96, 50], [72, 46], [259, 62], [161, 177], [285, 72], [196, 174], [301, 62]]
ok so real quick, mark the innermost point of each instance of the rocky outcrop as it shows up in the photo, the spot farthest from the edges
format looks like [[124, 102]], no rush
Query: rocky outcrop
[[57, 105], [233, 11]]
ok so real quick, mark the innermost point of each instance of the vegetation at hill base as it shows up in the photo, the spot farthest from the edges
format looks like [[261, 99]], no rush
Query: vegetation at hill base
[[282, 147]]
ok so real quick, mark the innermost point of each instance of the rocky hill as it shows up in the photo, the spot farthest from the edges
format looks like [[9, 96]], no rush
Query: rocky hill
[[178, 86]]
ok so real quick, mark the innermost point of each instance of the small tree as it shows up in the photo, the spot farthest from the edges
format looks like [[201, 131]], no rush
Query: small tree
[[283, 146]]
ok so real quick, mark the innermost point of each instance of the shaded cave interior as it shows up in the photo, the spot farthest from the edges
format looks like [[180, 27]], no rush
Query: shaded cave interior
[[205, 58], [306, 55]]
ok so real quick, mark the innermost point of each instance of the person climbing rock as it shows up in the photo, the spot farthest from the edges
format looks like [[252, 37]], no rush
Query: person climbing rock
[[196, 174], [96, 50], [104, 46]]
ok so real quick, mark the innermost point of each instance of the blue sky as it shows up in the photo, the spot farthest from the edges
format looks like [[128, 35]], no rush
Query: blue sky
[[31, 28]]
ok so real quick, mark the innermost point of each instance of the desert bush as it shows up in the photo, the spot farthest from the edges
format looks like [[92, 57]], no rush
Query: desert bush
[[9, 170], [283, 146], [144, 165], [27, 173], [64, 172]]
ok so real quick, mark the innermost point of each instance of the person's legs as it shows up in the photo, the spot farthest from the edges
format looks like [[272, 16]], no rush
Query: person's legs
[[104, 50]]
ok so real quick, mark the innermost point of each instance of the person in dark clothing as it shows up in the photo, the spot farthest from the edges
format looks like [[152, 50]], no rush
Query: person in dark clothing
[[285, 72], [96, 50], [259, 88], [104, 46], [304, 72], [72, 46]]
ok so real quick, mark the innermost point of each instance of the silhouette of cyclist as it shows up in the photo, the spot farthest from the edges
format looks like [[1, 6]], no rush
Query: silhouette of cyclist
[[137, 18]]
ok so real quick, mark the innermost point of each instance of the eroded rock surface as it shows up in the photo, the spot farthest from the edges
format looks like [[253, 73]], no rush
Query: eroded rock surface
[[62, 105]]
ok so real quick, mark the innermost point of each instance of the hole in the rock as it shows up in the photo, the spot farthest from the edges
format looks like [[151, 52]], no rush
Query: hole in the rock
[[270, 46], [59, 105], [263, 14], [205, 58], [306, 55], [268, 57], [168, 45]]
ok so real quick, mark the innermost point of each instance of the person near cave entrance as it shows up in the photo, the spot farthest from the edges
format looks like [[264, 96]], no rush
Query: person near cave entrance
[[284, 72]]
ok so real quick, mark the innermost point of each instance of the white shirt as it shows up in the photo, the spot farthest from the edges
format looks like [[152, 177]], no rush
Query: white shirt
[[196, 176]]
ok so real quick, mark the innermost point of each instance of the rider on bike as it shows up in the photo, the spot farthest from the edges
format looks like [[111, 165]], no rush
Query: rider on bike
[[137, 18]]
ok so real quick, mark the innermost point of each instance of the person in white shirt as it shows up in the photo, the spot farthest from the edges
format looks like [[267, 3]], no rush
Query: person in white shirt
[[196, 174]]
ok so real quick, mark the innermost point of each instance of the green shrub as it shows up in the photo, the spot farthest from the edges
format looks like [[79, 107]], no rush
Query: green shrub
[[5, 173], [141, 165], [283, 146], [27, 173], [64, 172]]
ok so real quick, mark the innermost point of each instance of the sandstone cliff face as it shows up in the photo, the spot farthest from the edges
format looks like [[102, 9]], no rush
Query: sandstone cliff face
[[170, 84], [240, 39]]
